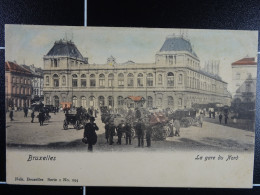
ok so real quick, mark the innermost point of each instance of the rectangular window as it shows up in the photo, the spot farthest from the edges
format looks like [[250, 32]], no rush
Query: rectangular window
[[74, 83], [140, 82], [101, 82], [121, 83], [110, 83], [149, 82], [55, 63], [130, 82], [83, 83], [92, 82], [170, 60]]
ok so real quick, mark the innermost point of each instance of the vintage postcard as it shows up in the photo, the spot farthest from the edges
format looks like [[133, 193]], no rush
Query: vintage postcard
[[99, 106]]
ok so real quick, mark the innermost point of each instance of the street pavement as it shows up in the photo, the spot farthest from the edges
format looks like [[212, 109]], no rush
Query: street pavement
[[21, 133]]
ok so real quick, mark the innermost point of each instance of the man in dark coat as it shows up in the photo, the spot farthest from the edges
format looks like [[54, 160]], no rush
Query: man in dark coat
[[112, 132], [140, 132], [11, 115], [148, 135], [41, 117], [120, 131], [128, 135], [107, 131], [220, 118], [90, 133], [32, 115]]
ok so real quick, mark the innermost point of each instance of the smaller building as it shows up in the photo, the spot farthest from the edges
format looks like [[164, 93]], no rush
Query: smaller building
[[37, 82], [241, 71], [17, 86]]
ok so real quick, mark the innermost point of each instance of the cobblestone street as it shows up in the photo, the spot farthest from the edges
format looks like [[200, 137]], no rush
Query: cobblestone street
[[21, 133]]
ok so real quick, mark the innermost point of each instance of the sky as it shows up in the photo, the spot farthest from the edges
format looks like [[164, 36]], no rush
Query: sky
[[27, 44]]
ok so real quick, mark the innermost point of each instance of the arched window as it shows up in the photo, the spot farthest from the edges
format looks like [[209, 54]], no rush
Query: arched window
[[110, 101], [63, 80], [92, 80], [170, 101], [180, 79], [92, 101], [83, 101], [101, 80], [159, 79], [120, 101], [110, 80], [140, 81], [121, 80], [75, 101], [74, 80], [101, 101], [130, 80], [170, 79], [55, 80], [83, 80], [149, 102], [149, 78]]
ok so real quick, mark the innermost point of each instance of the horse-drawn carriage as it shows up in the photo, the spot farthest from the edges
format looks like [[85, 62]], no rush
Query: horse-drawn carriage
[[78, 120]]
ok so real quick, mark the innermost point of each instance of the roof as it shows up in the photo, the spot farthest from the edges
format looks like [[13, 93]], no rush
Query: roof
[[213, 76], [65, 48], [245, 61], [135, 98], [177, 43], [15, 68]]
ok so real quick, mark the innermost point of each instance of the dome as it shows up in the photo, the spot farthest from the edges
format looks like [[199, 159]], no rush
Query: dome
[[177, 43], [65, 48]]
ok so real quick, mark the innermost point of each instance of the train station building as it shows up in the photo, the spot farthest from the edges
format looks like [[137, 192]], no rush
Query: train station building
[[175, 80]]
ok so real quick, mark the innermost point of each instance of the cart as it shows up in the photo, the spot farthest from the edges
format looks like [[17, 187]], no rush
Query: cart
[[71, 119]]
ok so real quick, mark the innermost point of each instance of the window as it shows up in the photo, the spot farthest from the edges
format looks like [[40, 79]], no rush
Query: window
[[101, 101], [110, 80], [47, 80], [130, 80], [150, 80], [159, 79], [17, 80], [180, 79], [25, 81], [75, 101], [101, 80], [140, 82], [170, 101], [170, 59], [55, 80], [74, 80], [47, 100], [92, 80], [170, 79], [17, 90], [149, 102], [83, 82], [121, 80], [63, 80], [120, 101], [237, 75], [55, 63], [110, 101], [180, 102], [83, 101], [13, 90]]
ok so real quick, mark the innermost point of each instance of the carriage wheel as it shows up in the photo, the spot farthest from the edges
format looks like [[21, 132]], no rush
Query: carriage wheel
[[65, 125], [77, 125]]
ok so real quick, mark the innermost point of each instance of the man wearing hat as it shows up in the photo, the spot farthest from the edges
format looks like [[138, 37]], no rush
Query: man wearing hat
[[90, 133]]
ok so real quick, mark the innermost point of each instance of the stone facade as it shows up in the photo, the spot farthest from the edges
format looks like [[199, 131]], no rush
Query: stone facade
[[17, 86], [174, 81]]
